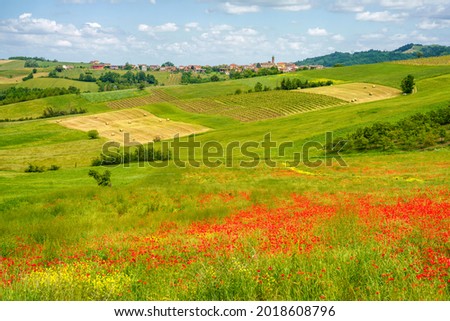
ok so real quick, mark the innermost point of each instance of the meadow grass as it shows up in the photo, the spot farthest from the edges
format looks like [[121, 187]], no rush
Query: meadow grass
[[59, 82], [13, 65], [113, 95], [35, 108]]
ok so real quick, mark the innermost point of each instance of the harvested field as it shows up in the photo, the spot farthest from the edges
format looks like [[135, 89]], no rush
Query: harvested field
[[141, 126], [356, 92], [431, 61]]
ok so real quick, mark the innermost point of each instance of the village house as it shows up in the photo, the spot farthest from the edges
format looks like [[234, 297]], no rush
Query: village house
[[98, 66]]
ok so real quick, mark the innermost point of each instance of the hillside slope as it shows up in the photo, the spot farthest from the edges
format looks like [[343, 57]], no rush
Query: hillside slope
[[409, 51]]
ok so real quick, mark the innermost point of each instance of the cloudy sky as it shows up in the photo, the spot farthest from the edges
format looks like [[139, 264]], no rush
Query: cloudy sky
[[215, 31]]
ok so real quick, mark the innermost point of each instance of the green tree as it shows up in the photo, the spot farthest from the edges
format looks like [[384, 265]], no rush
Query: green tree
[[102, 179], [167, 64], [407, 84], [128, 66], [215, 78], [258, 87], [93, 134]]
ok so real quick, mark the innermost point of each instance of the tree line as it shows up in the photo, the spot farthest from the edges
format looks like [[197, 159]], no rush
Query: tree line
[[140, 154], [18, 94], [420, 130], [296, 83]]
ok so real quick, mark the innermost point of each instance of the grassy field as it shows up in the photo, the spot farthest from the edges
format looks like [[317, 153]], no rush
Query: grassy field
[[376, 229], [432, 61], [57, 82]]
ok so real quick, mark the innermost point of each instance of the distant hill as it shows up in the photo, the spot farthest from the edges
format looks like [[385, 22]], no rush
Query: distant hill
[[409, 51]]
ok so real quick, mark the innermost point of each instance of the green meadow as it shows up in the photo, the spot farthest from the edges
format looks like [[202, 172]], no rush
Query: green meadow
[[375, 229]]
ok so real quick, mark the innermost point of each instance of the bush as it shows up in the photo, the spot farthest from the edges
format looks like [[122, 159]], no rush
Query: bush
[[93, 134], [34, 169], [408, 84], [102, 179], [54, 168]]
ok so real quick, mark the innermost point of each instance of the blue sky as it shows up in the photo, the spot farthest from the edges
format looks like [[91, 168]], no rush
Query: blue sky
[[215, 31]]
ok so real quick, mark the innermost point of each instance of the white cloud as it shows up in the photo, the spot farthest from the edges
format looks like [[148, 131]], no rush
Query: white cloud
[[433, 24], [338, 37], [251, 6], [25, 16], [63, 43], [425, 39], [237, 9], [192, 26], [349, 5], [93, 25], [373, 36], [152, 1], [167, 27], [317, 32], [44, 35], [381, 16]]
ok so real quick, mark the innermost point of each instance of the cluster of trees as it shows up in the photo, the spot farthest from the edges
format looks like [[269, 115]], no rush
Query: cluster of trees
[[420, 130], [32, 168], [188, 77], [87, 77], [17, 94], [110, 80], [28, 77], [31, 63], [50, 112], [296, 83], [249, 73], [31, 58], [286, 84], [114, 81], [140, 154]]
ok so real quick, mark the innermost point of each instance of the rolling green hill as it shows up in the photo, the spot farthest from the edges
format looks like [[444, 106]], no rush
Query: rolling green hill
[[409, 51], [57, 82]]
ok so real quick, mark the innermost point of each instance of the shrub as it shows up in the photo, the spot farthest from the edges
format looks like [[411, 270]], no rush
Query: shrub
[[93, 134], [54, 168], [34, 169], [408, 84], [102, 179]]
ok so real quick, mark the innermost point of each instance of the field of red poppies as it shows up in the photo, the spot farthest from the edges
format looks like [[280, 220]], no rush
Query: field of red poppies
[[293, 245]]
